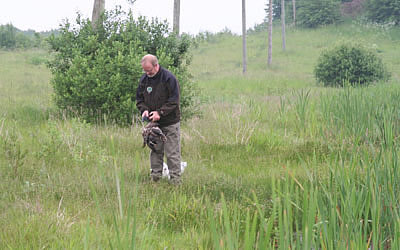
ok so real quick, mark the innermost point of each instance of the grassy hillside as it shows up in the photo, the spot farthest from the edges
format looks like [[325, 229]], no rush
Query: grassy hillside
[[293, 68], [273, 161]]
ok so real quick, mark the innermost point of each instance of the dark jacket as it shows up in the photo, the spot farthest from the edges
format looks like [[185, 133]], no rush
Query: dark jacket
[[160, 93]]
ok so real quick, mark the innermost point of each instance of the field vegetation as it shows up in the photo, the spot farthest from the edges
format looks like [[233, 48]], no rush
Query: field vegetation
[[274, 160]]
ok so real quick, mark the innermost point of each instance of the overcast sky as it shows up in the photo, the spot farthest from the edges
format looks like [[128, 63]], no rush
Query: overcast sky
[[196, 15]]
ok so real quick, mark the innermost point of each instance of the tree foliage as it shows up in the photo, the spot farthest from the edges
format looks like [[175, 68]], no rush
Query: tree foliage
[[277, 9], [314, 13], [383, 11], [96, 72], [350, 63], [8, 36], [12, 38]]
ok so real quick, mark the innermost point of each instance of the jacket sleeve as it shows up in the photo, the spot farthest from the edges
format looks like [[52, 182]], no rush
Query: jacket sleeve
[[173, 100], [141, 106]]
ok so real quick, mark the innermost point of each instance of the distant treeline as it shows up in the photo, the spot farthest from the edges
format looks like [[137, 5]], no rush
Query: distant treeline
[[308, 13], [314, 13], [13, 38]]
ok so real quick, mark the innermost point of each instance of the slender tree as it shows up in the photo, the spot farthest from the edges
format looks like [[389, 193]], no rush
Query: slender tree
[[283, 25], [294, 12], [270, 33], [244, 36], [177, 10], [98, 9]]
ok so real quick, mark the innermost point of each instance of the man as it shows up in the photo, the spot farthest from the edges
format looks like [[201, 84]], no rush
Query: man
[[157, 98]]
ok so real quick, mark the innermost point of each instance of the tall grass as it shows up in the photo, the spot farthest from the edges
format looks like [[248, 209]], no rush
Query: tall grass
[[363, 115], [353, 208]]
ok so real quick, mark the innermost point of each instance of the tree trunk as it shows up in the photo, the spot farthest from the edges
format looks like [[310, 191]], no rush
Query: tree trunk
[[244, 36], [294, 12], [283, 25], [270, 33], [177, 10], [98, 9]]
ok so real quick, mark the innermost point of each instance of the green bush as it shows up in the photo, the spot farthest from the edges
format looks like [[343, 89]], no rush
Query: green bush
[[383, 11], [96, 72], [350, 63], [12, 38], [314, 13], [8, 36], [277, 9]]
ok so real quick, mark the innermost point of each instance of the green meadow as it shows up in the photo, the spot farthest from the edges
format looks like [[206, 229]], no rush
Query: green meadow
[[275, 161]]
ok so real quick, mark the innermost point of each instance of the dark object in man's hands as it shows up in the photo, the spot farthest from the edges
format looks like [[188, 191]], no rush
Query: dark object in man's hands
[[153, 136]]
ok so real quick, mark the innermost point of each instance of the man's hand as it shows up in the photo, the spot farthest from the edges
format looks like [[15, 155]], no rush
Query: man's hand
[[145, 115], [154, 116]]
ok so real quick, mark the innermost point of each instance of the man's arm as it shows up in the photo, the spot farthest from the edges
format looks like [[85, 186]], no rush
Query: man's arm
[[173, 100], [141, 106]]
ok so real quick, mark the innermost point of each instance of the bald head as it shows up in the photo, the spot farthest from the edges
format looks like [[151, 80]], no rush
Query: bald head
[[150, 65], [152, 59]]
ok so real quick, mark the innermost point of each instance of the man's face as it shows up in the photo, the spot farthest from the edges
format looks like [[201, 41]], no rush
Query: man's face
[[149, 69]]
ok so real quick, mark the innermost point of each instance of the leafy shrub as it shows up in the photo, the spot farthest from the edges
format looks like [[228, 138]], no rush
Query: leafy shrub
[[350, 63], [11, 38], [352, 8], [37, 60], [383, 11], [277, 9], [96, 72], [314, 13], [8, 37]]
